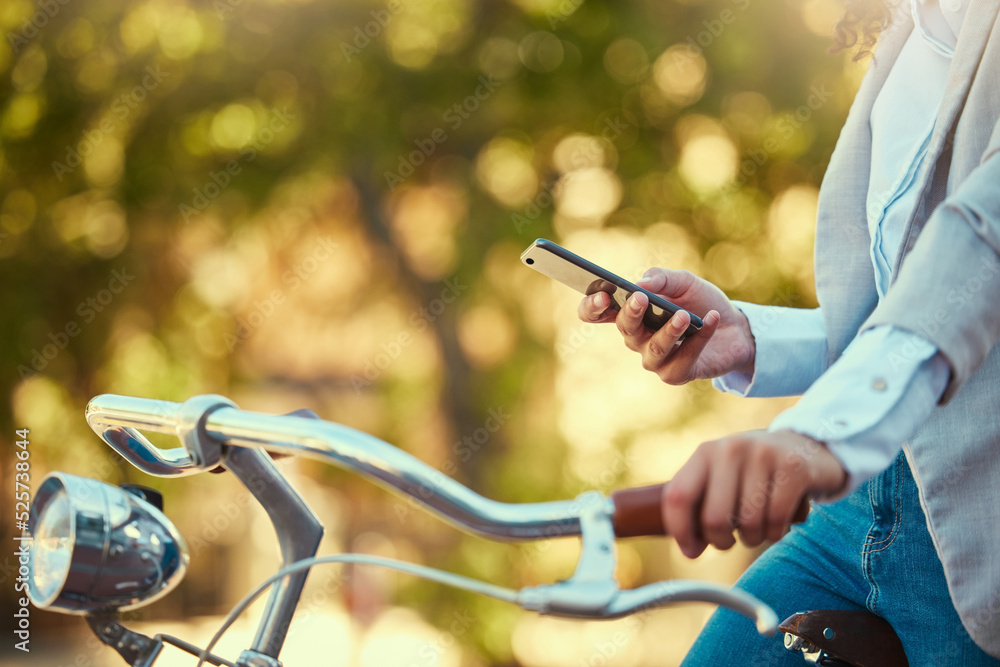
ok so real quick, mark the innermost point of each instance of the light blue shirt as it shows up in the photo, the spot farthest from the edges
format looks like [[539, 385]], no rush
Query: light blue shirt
[[888, 381]]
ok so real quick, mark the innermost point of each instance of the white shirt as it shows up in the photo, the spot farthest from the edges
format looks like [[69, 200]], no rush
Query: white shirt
[[888, 380]]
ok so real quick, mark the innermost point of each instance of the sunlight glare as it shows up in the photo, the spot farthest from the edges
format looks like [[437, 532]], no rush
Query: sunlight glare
[[504, 167]]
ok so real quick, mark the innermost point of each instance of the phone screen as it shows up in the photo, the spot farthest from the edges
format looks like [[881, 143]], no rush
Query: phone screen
[[556, 262]]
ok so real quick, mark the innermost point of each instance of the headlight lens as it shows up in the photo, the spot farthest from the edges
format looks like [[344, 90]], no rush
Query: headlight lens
[[52, 551], [99, 548]]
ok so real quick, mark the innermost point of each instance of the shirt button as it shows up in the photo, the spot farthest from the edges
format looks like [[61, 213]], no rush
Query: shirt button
[[952, 5], [874, 210], [879, 384]]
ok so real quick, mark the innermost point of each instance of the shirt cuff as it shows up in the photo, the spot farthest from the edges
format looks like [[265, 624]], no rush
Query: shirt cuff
[[791, 352], [877, 394]]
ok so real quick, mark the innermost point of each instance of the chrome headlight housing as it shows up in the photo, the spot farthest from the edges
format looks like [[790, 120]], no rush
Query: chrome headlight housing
[[99, 548]]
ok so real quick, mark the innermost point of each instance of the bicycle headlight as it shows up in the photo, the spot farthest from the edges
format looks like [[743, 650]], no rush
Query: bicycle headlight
[[52, 548], [99, 548]]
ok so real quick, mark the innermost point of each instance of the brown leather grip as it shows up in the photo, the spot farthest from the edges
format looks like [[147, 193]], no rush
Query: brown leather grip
[[637, 511]]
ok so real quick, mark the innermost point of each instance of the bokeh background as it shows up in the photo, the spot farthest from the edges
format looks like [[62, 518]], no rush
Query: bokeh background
[[320, 204]]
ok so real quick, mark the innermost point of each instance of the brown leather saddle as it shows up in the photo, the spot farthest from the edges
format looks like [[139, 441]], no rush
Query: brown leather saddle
[[843, 639]]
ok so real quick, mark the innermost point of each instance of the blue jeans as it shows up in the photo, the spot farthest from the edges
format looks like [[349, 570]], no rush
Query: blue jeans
[[870, 550]]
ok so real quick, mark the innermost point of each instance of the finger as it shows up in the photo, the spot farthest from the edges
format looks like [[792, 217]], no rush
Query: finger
[[629, 321], [754, 503], [684, 357], [653, 280], [596, 308], [661, 344], [667, 282], [722, 492], [787, 496], [682, 498]]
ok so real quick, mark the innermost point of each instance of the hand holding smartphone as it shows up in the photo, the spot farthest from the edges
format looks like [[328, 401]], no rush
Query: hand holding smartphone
[[588, 278]]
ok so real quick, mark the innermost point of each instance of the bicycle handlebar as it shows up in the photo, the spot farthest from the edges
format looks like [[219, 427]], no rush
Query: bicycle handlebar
[[209, 426], [117, 418]]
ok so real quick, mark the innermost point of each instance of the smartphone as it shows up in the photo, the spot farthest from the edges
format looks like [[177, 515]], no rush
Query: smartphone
[[587, 278]]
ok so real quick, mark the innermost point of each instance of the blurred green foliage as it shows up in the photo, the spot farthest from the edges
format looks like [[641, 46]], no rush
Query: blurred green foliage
[[320, 204]]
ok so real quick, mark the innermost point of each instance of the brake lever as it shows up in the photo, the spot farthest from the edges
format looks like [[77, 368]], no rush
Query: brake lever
[[593, 593], [655, 595], [592, 587]]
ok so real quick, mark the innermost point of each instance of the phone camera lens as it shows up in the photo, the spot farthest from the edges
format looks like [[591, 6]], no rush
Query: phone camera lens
[[529, 261]]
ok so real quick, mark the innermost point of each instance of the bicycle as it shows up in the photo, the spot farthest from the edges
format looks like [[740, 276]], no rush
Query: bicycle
[[100, 549]]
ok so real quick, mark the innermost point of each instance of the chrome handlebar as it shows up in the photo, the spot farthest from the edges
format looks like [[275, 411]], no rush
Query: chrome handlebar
[[117, 418], [208, 426]]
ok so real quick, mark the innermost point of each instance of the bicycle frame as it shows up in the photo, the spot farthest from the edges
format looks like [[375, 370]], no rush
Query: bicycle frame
[[214, 432]]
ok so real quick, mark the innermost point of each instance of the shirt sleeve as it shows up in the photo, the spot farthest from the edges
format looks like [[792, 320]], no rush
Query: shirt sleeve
[[871, 400], [946, 288], [791, 352]]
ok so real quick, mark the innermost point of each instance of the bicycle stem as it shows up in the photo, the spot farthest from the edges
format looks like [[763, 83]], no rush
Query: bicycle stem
[[299, 533]]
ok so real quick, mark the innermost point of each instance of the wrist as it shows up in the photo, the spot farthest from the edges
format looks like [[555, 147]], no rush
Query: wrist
[[833, 475], [828, 478], [747, 360]]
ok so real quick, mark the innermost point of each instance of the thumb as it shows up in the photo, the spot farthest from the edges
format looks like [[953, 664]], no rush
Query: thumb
[[654, 279], [666, 282]]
